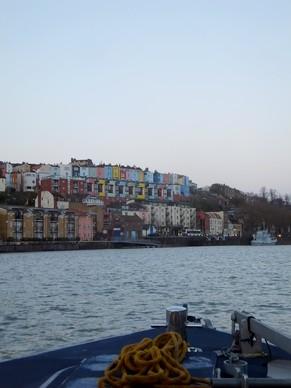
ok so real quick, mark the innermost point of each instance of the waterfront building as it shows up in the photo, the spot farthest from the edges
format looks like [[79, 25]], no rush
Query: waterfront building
[[216, 223], [157, 215], [202, 222], [188, 217], [141, 212], [2, 185], [81, 221], [96, 210], [173, 218], [86, 227], [124, 227]]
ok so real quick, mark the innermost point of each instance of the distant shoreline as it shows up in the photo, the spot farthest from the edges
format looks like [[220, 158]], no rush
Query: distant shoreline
[[158, 242], [162, 242]]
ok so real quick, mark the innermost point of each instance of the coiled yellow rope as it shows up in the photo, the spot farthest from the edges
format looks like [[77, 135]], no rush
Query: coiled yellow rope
[[154, 363]]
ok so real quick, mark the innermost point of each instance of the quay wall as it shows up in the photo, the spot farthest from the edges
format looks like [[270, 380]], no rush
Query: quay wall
[[163, 242], [38, 246]]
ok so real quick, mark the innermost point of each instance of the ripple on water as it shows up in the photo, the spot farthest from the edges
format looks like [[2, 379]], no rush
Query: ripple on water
[[109, 292]]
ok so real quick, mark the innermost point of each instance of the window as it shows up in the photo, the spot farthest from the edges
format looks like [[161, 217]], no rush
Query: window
[[139, 191], [121, 190], [130, 190]]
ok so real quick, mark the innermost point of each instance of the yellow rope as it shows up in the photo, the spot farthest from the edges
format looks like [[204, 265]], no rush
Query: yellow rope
[[154, 363]]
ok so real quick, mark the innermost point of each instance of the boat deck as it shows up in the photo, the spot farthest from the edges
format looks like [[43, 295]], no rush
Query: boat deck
[[82, 365]]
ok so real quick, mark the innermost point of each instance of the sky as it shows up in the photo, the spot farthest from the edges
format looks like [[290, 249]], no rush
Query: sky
[[200, 88]]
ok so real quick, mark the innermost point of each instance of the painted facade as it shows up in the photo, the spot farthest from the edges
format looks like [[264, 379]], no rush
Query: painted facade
[[85, 227], [82, 177]]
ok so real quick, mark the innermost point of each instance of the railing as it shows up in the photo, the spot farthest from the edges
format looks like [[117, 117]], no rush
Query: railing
[[261, 330]]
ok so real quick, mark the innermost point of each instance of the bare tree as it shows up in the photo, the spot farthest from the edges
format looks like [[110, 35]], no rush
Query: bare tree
[[264, 193], [272, 194]]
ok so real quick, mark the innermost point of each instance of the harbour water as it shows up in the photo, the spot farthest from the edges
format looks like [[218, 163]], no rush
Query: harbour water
[[54, 299]]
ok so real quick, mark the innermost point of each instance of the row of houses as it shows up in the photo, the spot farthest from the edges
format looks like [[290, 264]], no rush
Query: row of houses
[[28, 224], [91, 220], [115, 189], [83, 177]]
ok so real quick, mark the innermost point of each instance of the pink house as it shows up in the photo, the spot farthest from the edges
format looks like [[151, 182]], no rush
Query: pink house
[[100, 172], [85, 227]]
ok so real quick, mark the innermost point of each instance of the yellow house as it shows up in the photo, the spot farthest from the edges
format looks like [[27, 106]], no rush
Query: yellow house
[[116, 172], [141, 175]]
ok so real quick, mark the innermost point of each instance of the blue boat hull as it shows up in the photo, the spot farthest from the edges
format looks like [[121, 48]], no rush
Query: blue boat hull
[[82, 365]]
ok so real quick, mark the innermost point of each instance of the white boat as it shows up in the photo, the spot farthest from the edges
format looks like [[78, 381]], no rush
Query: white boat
[[263, 237]]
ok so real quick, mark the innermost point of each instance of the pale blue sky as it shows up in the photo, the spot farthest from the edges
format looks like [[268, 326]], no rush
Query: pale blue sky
[[201, 88]]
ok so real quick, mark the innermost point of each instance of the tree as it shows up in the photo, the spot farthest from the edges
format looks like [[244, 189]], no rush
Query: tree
[[272, 194], [264, 193]]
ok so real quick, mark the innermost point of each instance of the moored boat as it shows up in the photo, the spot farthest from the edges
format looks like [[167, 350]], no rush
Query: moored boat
[[263, 237]]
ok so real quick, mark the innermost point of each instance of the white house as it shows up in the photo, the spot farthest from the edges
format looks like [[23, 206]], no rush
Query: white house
[[29, 181], [216, 223]]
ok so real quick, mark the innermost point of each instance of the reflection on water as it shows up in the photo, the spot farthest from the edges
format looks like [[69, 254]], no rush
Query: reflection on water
[[51, 299]]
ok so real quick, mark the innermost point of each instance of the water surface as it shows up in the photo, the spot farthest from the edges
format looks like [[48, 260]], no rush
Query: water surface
[[53, 299]]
